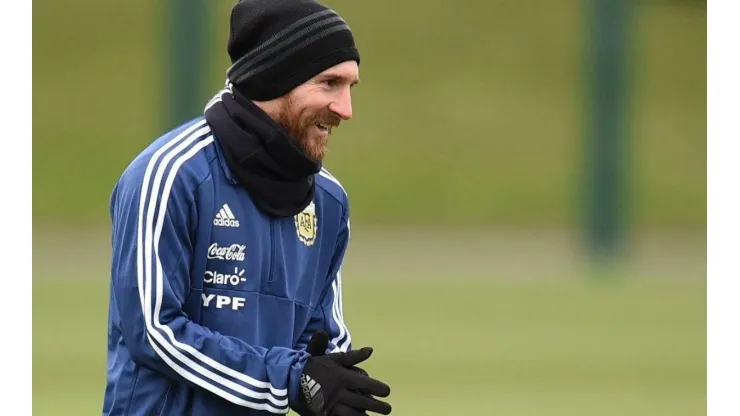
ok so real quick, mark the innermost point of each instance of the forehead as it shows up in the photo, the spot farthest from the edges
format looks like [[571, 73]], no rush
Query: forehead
[[347, 70]]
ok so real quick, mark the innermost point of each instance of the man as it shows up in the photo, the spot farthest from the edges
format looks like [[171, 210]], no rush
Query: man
[[229, 237]]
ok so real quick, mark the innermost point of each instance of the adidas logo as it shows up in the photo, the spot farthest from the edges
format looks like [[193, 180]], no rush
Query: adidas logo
[[225, 218], [310, 389]]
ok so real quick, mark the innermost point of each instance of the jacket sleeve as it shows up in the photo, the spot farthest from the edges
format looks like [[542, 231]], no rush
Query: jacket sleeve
[[329, 315], [152, 219]]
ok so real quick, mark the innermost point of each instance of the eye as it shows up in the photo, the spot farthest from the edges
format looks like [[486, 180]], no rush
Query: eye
[[331, 83]]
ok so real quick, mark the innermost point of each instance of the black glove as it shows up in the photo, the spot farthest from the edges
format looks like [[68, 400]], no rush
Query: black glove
[[330, 387], [318, 345]]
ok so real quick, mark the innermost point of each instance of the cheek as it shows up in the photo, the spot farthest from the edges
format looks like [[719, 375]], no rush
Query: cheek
[[308, 107], [314, 105], [308, 116]]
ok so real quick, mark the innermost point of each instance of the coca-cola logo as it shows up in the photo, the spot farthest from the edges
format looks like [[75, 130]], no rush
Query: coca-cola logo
[[234, 252]]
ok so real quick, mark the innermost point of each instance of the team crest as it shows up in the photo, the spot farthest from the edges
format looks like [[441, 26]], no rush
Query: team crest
[[306, 225]]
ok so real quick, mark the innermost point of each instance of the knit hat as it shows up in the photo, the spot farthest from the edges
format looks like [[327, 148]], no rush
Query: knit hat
[[276, 45]]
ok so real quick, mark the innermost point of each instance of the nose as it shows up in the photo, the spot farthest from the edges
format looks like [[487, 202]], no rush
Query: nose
[[342, 106]]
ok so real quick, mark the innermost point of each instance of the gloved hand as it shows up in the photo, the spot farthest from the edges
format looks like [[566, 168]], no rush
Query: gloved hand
[[330, 386], [318, 345]]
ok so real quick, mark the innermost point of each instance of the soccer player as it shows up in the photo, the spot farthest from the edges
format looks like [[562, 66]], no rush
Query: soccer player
[[228, 238]]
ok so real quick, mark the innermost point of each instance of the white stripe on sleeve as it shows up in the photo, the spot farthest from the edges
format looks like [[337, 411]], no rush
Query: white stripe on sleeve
[[335, 310], [149, 240]]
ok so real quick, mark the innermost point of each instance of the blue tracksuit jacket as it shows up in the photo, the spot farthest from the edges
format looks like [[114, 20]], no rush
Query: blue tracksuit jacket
[[212, 303]]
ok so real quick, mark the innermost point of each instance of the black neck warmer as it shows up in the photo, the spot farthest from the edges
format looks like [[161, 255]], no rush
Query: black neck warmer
[[278, 175]]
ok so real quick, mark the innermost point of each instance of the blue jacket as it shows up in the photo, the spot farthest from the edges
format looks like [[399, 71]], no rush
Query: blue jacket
[[212, 303]]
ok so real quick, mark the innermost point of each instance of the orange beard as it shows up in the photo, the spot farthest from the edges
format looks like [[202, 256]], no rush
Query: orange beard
[[301, 127]]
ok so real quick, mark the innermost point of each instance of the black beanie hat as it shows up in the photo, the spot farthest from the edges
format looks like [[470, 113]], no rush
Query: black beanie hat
[[276, 45]]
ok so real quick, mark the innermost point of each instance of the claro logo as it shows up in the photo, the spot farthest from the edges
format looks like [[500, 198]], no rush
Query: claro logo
[[225, 278]]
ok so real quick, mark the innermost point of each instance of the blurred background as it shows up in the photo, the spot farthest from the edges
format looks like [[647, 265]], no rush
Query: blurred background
[[527, 180]]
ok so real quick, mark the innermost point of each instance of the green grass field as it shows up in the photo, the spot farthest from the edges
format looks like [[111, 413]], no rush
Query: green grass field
[[447, 343]]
